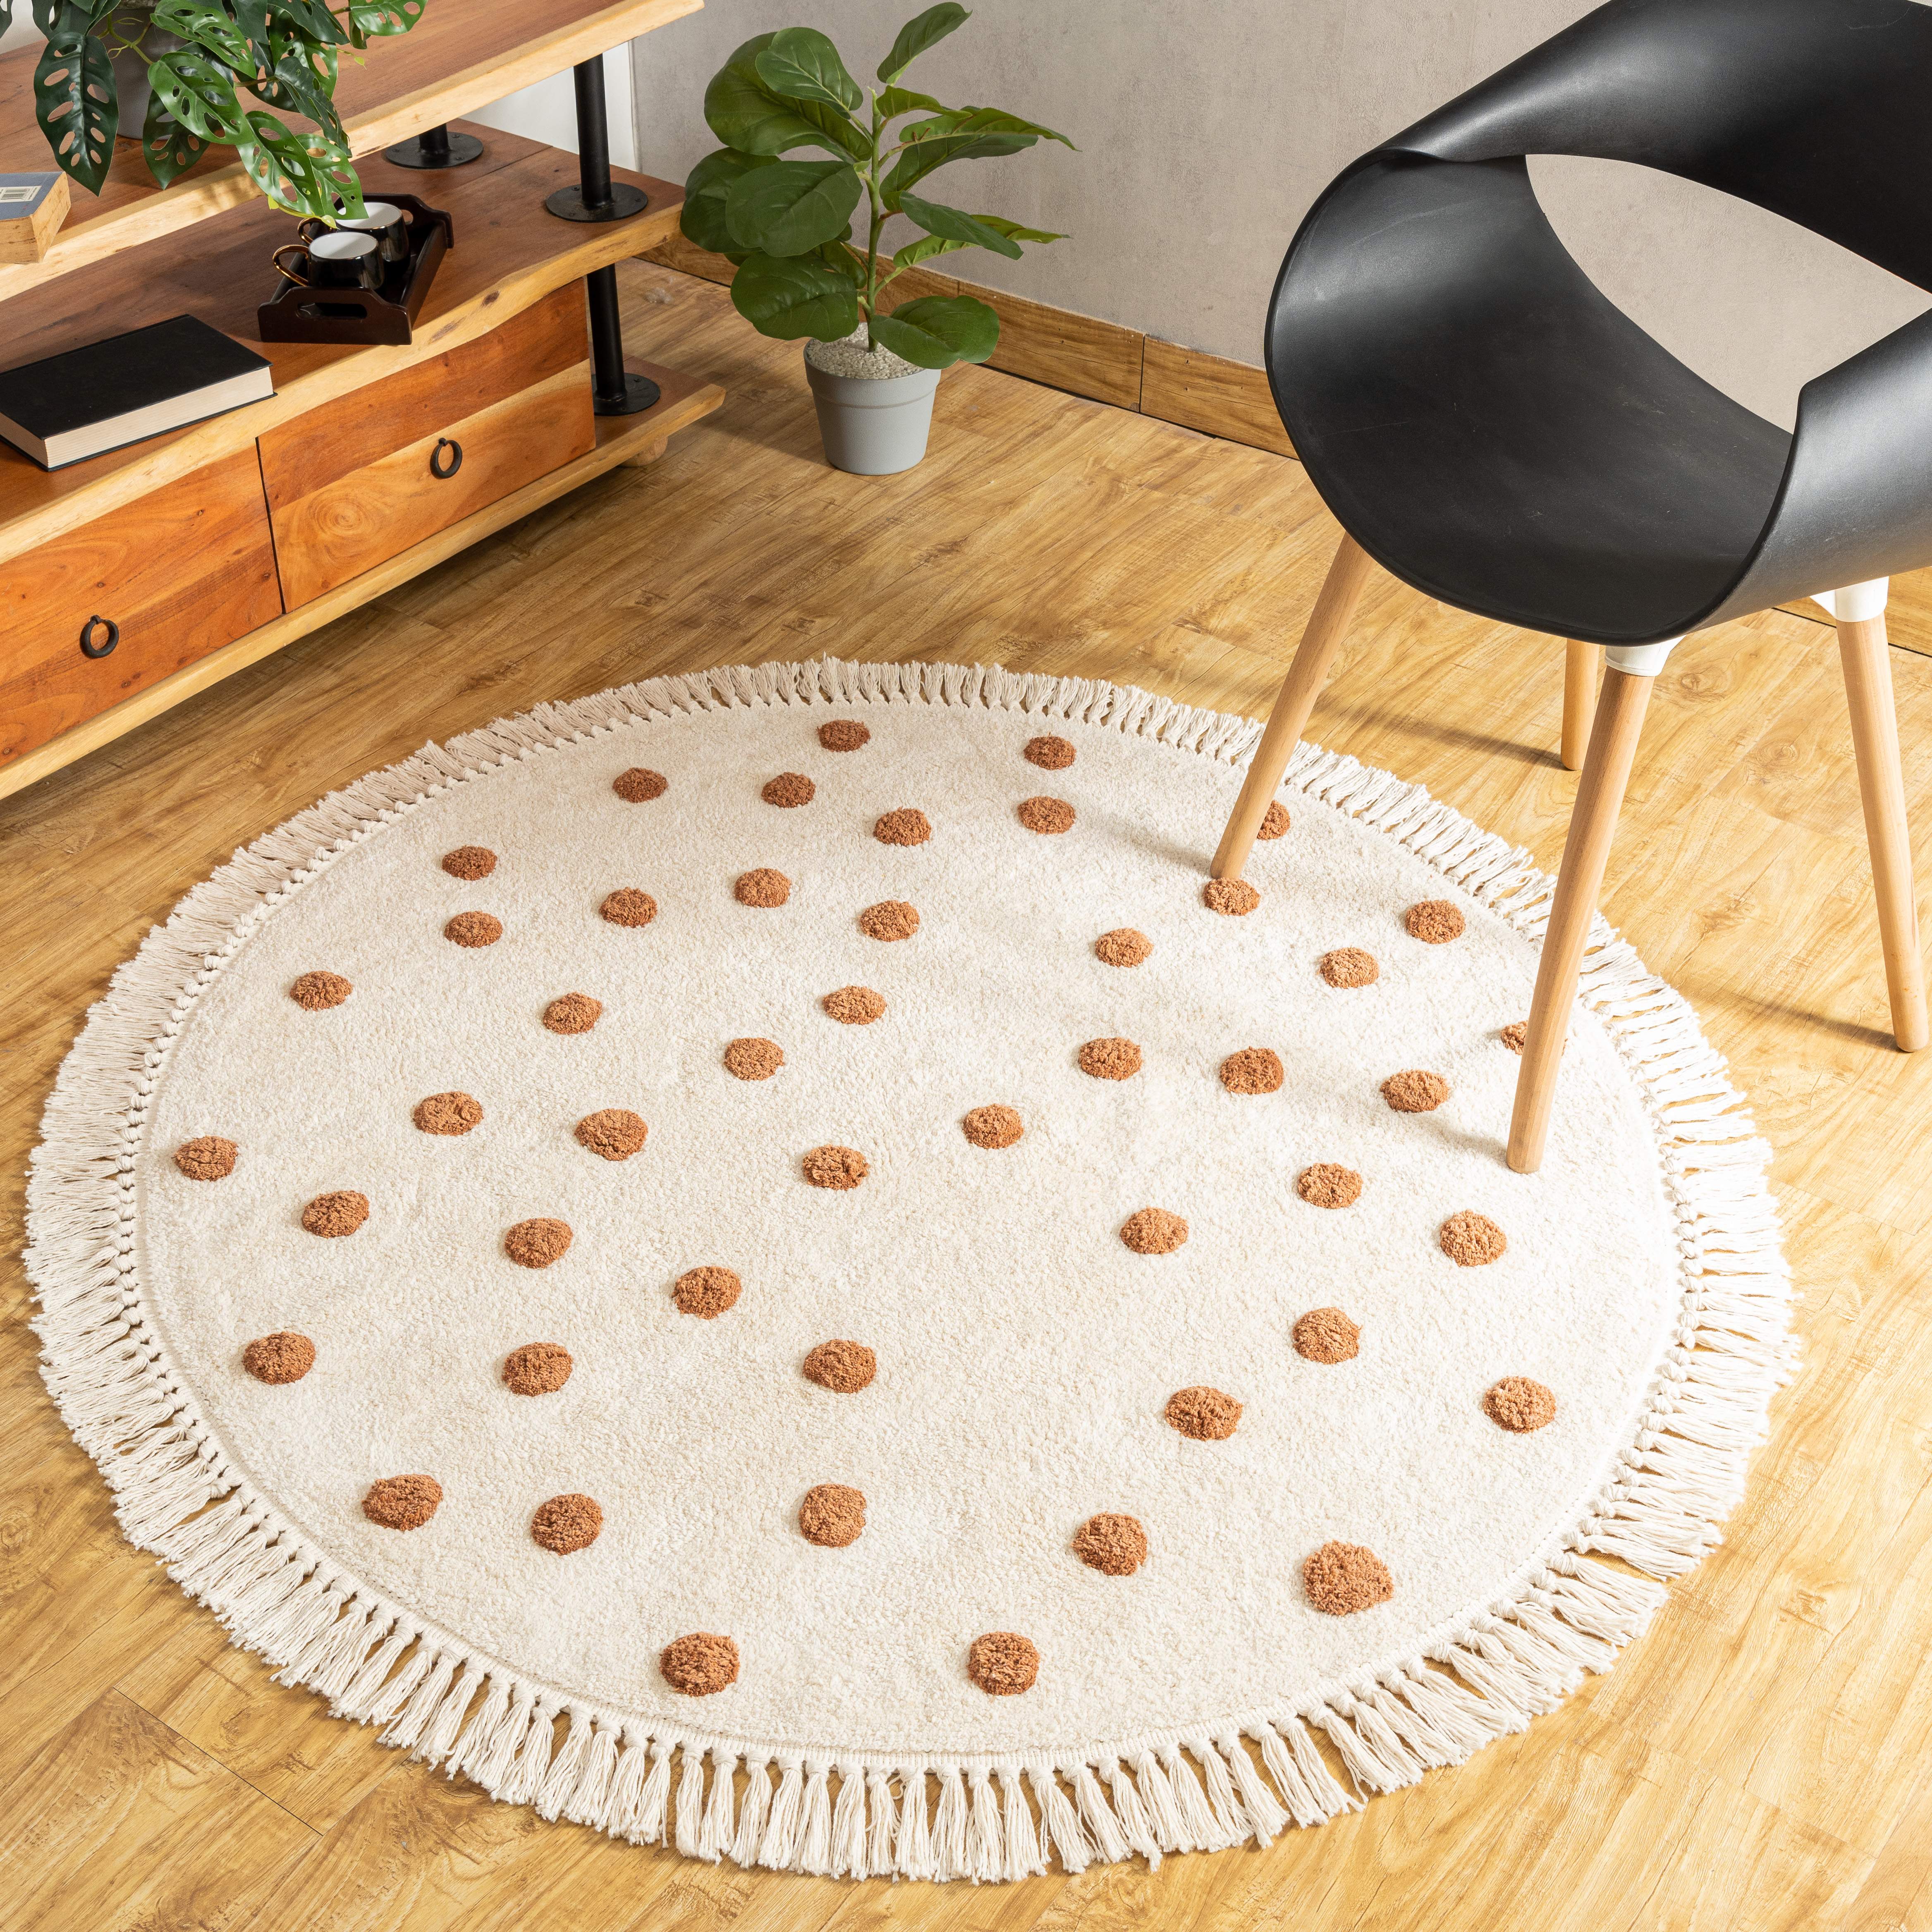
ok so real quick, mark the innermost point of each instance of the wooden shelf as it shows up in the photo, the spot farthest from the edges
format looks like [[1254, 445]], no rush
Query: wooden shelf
[[461, 55]]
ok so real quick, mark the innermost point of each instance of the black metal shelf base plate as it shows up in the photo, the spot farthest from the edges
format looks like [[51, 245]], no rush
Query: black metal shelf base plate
[[464, 148], [625, 202], [640, 393]]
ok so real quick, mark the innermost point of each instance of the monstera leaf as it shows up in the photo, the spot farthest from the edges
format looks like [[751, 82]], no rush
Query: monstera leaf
[[76, 104]]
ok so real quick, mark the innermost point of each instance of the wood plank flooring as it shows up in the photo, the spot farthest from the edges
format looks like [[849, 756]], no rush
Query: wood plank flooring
[[1761, 1760]]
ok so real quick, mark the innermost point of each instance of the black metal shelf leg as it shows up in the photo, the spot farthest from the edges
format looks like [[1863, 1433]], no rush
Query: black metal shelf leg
[[434, 148]]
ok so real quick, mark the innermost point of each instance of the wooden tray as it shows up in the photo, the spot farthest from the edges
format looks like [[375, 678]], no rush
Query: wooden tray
[[356, 315]]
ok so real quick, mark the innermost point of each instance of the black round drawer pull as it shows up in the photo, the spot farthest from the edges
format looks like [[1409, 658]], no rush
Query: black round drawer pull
[[89, 647], [437, 468]]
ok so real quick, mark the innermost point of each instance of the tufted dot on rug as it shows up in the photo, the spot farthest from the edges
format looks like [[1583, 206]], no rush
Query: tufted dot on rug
[[843, 734], [1415, 1090], [1116, 1546], [1255, 1069], [1112, 1058], [1153, 1230], [762, 887], [890, 919], [638, 786], [699, 1665], [537, 1368], [282, 1357], [627, 906], [537, 1243], [705, 1292], [905, 827], [615, 1133], [207, 1157], [1234, 899], [1341, 1578], [1515, 1036], [451, 1113], [332, 1215], [1051, 754], [1326, 1335], [474, 928], [843, 1367], [831, 1515], [316, 992], [1328, 1184], [754, 1059], [1048, 815], [1274, 821], [1123, 946], [1519, 1405], [1003, 1663], [572, 1012], [469, 862], [1350, 966], [1205, 1414], [402, 1502], [839, 1167], [992, 1127], [1470, 1240], [1435, 922], [567, 1523], [854, 1005], [788, 789]]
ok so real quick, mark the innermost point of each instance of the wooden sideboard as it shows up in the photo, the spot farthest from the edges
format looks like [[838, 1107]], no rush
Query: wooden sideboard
[[133, 580]]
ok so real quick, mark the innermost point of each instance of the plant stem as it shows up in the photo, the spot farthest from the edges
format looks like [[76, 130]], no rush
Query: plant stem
[[870, 306]]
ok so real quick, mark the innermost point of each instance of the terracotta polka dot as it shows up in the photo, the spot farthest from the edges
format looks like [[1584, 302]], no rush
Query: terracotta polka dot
[[1274, 821], [474, 928], [638, 786], [1326, 1335], [1255, 1069], [835, 1167], [567, 1523], [451, 1113], [332, 1215], [1435, 922], [1515, 1036], [469, 862], [1112, 1058], [843, 1367], [537, 1243], [1153, 1230], [207, 1157], [992, 1127], [614, 1133], [1326, 1184], [537, 1368], [854, 1005], [1050, 754], [403, 1502], [1003, 1663], [843, 734], [754, 1059], [1341, 1578], [1234, 899], [1470, 1240], [628, 906], [1047, 815], [1519, 1405], [699, 1665], [1123, 946], [832, 1515], [904, 826], [890, 919], [572, 1012], [1350, 966], [789, 788], [1415, 1090], [762, 887], [1204, 1414], [705, 1292], [282, 1357], [316, 992], [1116, 1546]]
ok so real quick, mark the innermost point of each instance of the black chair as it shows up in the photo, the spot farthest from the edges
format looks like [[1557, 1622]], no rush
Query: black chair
[[1488, 427]]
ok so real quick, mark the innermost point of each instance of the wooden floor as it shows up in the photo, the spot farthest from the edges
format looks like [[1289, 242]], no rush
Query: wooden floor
[[1763, 1759]]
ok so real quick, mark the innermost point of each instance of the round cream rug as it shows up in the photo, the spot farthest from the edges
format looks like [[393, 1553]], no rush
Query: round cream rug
[[754, 1261]]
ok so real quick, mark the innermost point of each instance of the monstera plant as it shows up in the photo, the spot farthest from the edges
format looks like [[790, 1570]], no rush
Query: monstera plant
[[283, 53]]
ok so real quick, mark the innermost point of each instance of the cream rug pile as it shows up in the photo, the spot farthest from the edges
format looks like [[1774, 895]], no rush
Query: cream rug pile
[[751, 1261]]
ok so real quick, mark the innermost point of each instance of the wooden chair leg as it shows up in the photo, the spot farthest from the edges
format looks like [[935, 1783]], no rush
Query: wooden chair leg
[[1327, 623], [1579, 700], [1868, 666], [1593, 823]]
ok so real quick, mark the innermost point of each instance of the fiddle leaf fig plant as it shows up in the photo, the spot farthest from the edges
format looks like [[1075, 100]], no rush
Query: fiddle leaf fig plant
[[787, 221]]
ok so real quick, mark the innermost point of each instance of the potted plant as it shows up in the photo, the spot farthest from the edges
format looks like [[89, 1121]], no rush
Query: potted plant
[[787, 225], [196, 58]]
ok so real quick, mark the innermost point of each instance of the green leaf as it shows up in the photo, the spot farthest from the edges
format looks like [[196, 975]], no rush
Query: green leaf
[[916, 35], [787, 207], [924, 249], [377, 17], [938, 331], [300, 173], [208, 26], [705, 190], [997, 121], [801, 294], [744, 113], [315, 19], [1015, 231], [969, 134], [894, 101], [169, 149], [77, 106], [6, 15], [802, 64], [293, 83], [199, 93], [954, 224]]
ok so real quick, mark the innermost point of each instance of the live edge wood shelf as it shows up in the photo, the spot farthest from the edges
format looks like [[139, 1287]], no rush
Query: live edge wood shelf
[[209, 548]]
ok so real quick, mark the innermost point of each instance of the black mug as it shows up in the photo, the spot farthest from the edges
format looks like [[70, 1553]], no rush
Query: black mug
[[389, 223], [335, 259]]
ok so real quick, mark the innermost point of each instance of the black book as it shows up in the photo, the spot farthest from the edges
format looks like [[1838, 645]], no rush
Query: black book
[[75, 405]]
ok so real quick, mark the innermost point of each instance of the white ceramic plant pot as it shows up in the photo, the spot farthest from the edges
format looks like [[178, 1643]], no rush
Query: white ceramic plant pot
[[873, 426]]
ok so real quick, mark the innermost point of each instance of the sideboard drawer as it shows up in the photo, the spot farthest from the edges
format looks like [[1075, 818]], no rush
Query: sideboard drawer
[[355, 481], [170, 576]]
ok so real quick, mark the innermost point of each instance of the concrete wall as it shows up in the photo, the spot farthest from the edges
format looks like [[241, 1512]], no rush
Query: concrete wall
[[1206, 126]]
